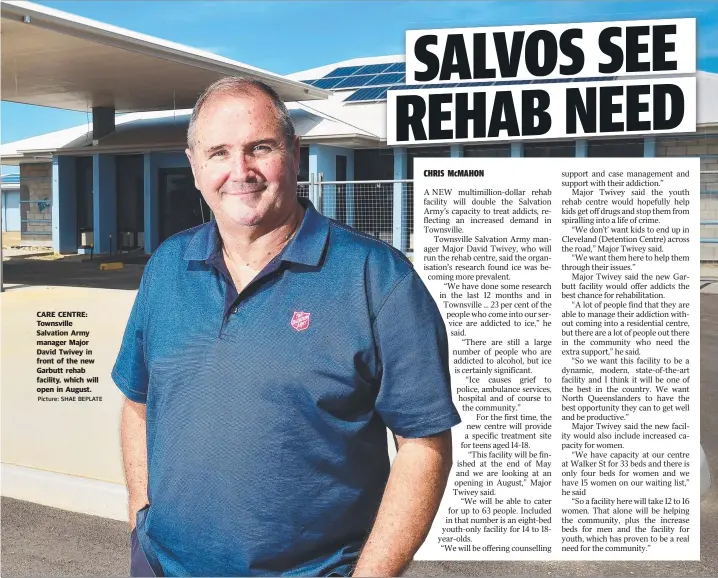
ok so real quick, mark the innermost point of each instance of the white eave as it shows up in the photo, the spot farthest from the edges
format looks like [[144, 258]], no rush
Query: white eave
[[166, 130], [56, 59]]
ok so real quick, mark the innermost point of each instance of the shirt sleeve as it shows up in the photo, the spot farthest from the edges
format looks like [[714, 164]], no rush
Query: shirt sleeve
[[414, 398], [130, 371]]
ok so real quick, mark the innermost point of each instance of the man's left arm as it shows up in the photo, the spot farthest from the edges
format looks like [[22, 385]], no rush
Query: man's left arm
[[414, 401], [410, 502]]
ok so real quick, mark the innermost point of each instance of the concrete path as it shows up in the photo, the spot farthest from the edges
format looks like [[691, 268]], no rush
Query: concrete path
[[42, 541]]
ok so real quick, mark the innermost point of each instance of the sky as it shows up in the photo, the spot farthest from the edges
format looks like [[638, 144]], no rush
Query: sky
[[292, 35]]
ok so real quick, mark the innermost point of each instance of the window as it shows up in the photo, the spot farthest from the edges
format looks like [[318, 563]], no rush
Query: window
[[181, 204], [303, 164], [615, 148], [423, 152], [488, 150], [550, 149], [130, 194], [374, 164]]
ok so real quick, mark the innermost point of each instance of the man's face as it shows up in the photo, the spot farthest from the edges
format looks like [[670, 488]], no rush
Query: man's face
[[241, 161]]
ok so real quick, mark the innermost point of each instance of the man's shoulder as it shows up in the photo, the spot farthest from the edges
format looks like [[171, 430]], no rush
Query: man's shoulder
[[366, 263], [354, 245]]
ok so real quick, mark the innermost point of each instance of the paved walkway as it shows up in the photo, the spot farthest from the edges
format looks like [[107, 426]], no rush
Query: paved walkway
[[42, 541]]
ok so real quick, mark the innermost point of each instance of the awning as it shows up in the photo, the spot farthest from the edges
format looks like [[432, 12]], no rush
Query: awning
[[52, 58]]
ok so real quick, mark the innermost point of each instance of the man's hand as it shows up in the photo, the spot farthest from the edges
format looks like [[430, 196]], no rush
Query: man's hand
[[134, 455], [410, 502]]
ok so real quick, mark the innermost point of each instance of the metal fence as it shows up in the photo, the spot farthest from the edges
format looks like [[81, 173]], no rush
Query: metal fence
[[385, 209], [382, 208]]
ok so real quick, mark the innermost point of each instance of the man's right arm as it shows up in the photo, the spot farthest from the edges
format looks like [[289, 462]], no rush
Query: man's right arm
[[134, 455]]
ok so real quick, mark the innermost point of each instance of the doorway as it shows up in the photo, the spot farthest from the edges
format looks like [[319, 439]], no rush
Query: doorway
[[181, 204], [85, 202], [130, 201]]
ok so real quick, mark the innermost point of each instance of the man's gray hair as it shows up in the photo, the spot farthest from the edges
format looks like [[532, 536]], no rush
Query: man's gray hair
[[237, 85]]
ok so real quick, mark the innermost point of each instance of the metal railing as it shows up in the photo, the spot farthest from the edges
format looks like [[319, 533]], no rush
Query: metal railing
[[384, 208], [381, 208]]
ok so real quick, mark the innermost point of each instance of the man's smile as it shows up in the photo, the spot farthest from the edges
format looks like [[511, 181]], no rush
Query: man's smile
[[252, 190]]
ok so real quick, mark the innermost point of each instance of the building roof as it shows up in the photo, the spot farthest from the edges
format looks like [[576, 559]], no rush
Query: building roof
[[167, 130], [330, 121], [10, 182], [56, 59]]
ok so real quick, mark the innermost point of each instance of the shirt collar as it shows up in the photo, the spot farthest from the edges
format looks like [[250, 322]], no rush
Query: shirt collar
[[204, 244], [307, 246]]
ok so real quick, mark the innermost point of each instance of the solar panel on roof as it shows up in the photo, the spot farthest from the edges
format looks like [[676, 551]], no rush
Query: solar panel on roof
[[327, 82], [353, 97], [356, 81], [383, 79], [397, 67], [594, 79], [342, 71], [370, 93], [440, 85], [510, 82], [374, 93], [389, 67], [373, 68], [314, 81]]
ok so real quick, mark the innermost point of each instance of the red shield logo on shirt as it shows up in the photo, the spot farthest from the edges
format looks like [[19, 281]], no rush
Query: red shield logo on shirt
[[300, 320]]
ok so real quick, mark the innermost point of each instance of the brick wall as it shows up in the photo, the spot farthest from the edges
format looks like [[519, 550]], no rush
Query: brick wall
[[705, 146], [36, 202]]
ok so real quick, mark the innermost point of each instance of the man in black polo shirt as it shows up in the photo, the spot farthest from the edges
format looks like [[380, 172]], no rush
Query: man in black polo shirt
[[265, 355]]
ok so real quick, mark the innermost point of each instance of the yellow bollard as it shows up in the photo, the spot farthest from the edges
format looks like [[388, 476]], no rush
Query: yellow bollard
[[111, 266]]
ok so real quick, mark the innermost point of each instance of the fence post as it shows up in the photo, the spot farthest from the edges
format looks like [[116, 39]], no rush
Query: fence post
[[581, 148], [399, 206], [649, 146], [320, 193], [312, 193]]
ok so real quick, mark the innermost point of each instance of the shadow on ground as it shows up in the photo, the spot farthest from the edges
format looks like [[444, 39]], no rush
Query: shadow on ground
[[29, 271]]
